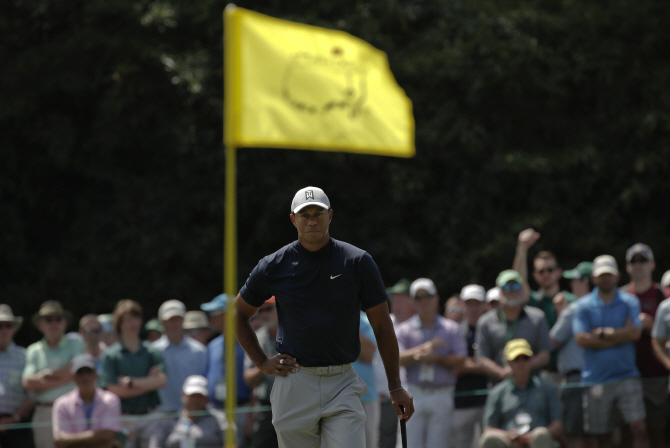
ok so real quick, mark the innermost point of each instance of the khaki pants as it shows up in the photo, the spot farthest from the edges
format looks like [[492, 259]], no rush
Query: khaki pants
[[540, 439], [43, 434], [310, 411]]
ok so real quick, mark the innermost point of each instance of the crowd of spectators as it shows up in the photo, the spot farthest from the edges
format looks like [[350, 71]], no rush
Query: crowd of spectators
[[505, 367]]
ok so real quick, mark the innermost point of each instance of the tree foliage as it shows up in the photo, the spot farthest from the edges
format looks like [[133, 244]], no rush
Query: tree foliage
[[551, 114]]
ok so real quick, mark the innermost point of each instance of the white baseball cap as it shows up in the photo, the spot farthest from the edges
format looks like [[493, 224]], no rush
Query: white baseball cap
[[476, 292], [170, 309], [665, 281], [195, 384], [309, 196], [422, 283], [81, 361], [493, 294], [605, 264]]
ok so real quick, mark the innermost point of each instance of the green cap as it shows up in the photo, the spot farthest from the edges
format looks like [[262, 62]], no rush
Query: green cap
[[508, 275], [402, 287], [583, 270], [153, 324]]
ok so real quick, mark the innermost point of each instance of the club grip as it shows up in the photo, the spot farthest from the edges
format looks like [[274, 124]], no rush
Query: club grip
[[403, 429]]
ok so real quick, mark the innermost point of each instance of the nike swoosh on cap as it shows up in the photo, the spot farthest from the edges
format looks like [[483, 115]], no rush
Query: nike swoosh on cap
[[334, 276]]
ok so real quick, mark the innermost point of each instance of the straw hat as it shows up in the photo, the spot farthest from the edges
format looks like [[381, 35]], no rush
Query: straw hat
[[51, 308], [7, 315]]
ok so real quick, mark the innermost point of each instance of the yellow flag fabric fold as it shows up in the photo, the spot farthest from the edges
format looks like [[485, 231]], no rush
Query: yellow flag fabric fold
[[290, 85]]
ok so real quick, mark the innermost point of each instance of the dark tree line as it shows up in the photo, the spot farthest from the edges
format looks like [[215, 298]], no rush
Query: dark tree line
[[552, 114]]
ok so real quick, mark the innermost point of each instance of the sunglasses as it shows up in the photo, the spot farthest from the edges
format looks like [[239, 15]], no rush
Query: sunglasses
[[522, 358], [423, 296], [507, 287], [92, 330], [6, 325], [454, 310], [215, 313], [50, 319], [545, 271], [638, 260]]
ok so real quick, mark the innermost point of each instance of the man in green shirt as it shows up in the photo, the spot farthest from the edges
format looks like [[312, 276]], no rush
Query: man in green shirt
[[47, 372], [523, 410], [133, 370]]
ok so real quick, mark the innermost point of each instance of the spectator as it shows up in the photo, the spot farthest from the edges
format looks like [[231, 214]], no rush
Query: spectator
[[196, 427], [660, 335], [47, 373], [580, 278], [264, 435], [468, 407], [512, 321], [606, 324], [493, 298], [365, 369], [402, 306], [430, 348], [216, 368], [522, 411], [108, 336], [665, 284], [197, 326], [133, 370], [547, 274], [640, 265], [570, 364], [91, 331], [154, 330], [15, 406], [183, 357], [87, 416], [453, 309]]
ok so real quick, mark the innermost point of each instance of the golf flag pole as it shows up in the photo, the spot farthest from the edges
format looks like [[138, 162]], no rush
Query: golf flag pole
[[230, 230]]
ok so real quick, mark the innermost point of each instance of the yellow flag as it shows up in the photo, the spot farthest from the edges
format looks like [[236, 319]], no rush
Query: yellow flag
[[290, 85]]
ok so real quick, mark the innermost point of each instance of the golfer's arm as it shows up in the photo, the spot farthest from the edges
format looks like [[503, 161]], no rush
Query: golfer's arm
[[245, 334], [386, 343]]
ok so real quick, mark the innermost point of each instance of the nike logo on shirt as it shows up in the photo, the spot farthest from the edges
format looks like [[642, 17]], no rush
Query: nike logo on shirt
[[334, 276]]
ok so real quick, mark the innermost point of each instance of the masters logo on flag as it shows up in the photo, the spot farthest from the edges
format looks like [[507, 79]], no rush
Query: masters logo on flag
[[291, 85]]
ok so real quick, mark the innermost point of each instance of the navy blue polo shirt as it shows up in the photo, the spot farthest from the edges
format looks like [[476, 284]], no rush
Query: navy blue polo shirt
[[319, 296]]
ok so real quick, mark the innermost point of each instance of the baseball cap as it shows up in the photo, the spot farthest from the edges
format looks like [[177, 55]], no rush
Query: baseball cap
[[665, 280], [517, 347], [309, 196], [605, 264], [402, 287], [195, 384], [219, 302], [639, 248], [508, 275], [155, 325], [582, 270], [171, 308], [476, 292], [81, 361], [422, 283], [493, 294]]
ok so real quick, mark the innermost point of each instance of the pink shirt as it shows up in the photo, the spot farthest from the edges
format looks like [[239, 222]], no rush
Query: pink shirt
[[69, 413]]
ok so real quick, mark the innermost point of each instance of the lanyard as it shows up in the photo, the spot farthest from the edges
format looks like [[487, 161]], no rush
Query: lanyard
[[88, 413], [509, 329]]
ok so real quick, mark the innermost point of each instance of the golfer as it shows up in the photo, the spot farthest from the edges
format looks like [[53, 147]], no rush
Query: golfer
[[320, 285]]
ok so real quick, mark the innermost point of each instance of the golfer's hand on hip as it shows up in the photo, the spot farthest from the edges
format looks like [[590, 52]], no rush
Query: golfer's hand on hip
[[280, 365]]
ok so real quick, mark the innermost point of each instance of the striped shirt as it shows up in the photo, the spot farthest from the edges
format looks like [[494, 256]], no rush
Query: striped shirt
[[12, 362]]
